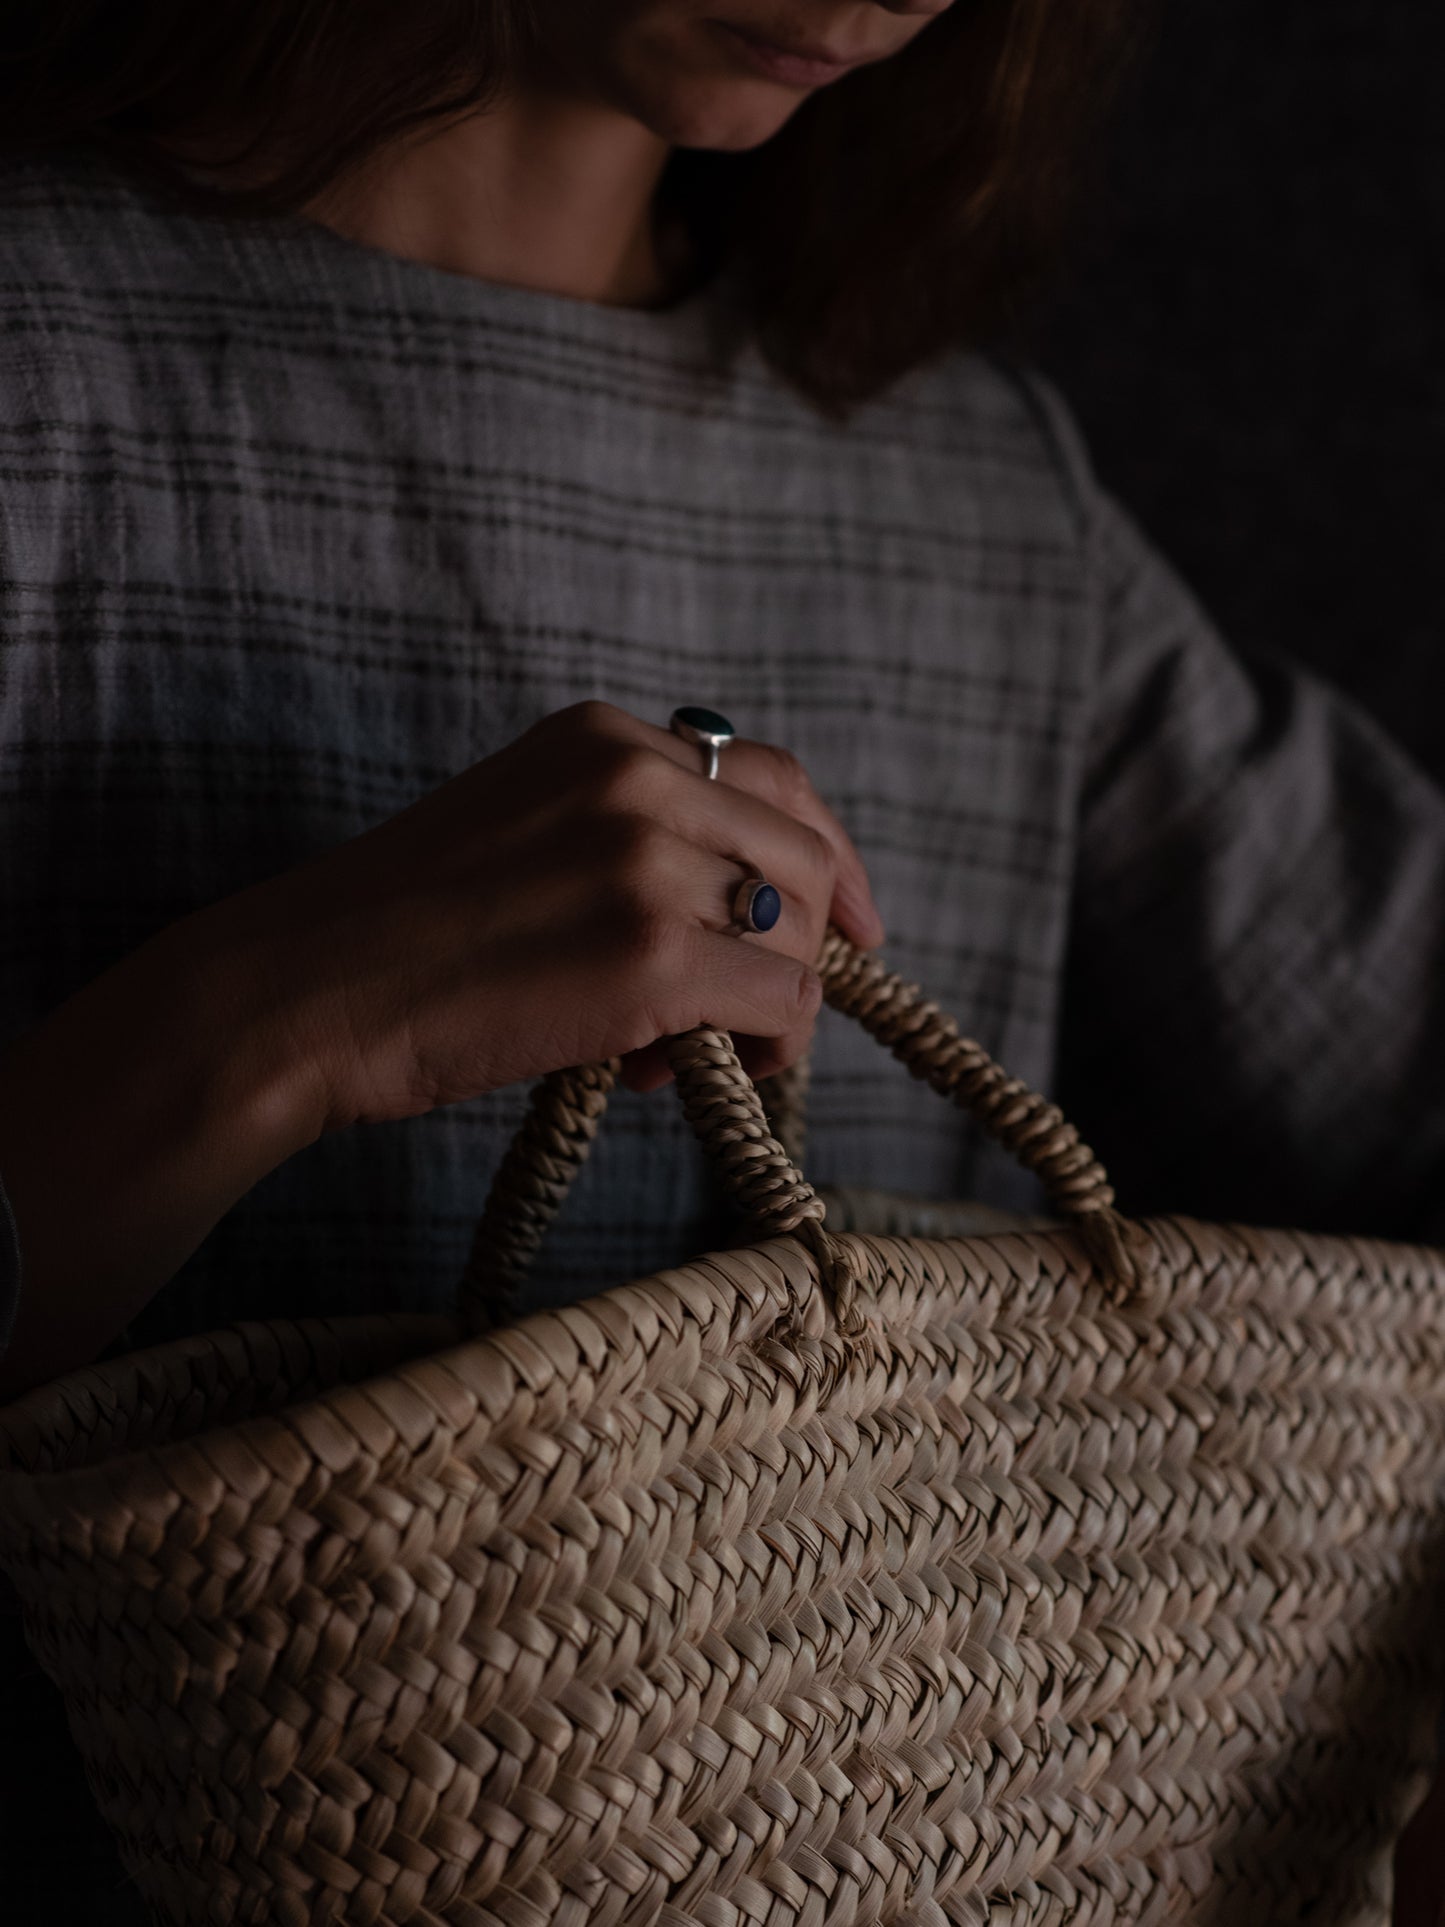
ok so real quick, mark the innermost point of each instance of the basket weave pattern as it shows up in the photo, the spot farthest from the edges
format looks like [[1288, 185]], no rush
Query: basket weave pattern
[[988, 1594]]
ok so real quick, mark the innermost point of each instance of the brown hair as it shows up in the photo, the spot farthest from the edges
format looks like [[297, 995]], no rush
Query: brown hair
[[905, 211]]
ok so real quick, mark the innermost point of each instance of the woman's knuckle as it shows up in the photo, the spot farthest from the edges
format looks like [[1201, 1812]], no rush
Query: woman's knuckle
[[623, 876], [643, 1024], [788, 772], [807, 997], [594, 717], [559, 725], [624, 775], [652, 940], [821, 853], [641, 849], [633, 917]]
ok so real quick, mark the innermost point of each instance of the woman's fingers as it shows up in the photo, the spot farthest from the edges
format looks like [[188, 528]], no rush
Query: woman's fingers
[[648, 1069], [727, 984], [660, 852], [766, 1000], [775, 777], [674, 882], [740, 828]]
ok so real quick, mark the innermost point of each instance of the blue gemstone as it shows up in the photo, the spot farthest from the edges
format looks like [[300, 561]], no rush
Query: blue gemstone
[[767, 907]]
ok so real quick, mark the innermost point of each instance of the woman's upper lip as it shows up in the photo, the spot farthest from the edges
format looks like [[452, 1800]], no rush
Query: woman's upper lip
[[825, 55]]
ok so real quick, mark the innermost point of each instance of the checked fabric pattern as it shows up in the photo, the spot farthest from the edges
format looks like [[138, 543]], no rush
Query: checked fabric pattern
[[293, 531]]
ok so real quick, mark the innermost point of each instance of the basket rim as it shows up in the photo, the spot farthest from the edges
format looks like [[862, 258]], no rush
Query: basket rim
[[204, 1366], [701, 1295]]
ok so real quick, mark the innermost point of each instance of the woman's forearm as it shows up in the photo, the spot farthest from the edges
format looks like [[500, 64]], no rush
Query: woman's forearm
[[507, 923], [131, 1119]]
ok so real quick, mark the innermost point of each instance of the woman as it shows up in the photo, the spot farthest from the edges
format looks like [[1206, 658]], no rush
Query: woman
[[403, 410]]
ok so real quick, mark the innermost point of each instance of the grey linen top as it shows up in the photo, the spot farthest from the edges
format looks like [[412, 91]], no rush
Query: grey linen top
[[291, 531]]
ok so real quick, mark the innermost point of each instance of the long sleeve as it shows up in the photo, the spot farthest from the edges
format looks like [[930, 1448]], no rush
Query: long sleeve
[[1255, 1006], [9, 1269]]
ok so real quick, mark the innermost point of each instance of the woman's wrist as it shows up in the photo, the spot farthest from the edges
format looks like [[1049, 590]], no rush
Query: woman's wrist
[[246, 1063]]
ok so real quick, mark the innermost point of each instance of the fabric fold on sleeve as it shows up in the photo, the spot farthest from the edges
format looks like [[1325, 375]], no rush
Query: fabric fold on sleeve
[[9, 1269], [1255, 1004]]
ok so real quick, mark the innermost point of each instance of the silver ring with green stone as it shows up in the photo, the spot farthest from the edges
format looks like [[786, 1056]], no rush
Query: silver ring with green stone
[[707, 729]]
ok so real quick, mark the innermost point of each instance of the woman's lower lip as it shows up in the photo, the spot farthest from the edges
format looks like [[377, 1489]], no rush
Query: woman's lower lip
[[791, 69]]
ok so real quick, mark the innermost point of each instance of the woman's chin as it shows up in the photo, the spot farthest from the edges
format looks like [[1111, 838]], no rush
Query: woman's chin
[[731, 124], [717, 112]]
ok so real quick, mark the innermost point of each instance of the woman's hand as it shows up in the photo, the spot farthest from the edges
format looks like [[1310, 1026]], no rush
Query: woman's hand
[[565, 900]]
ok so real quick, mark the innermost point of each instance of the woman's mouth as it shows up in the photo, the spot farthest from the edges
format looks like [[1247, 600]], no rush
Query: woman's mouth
[[791, 66]]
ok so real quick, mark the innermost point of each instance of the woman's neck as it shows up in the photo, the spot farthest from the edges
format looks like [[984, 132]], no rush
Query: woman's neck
[[536, 192]]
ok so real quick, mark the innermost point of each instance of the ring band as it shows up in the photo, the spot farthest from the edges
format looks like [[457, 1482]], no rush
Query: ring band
[[757, 905], [707, 729]]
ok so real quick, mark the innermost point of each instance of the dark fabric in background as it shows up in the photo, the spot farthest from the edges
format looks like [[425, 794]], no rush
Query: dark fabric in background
[[1254, 338], [1254, 345]]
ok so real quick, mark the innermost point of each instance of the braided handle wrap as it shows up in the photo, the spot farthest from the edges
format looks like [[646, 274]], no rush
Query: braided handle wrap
[[534, 1177], [785, 1099], [721, 1103], [1031, 1129], [762, 1178]]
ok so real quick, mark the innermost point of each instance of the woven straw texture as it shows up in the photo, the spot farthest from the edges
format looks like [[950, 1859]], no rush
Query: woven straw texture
[[1077, 1574]]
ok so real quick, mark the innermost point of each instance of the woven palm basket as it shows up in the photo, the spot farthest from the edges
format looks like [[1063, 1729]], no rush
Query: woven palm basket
[[1089, 1573]]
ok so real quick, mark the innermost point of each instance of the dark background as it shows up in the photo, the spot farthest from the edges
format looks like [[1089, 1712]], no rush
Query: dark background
[[1254, 339], [1253, 332]]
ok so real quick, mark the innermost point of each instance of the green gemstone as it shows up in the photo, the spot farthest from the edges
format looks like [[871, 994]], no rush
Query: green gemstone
[[706, 722]]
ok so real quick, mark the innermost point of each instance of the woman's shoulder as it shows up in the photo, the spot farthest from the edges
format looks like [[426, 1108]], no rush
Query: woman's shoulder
[[70, 218], [996, 429], [88, 262]]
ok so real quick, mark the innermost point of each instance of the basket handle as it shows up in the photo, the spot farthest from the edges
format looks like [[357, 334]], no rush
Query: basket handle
[[785, 1099], [771, 1194]]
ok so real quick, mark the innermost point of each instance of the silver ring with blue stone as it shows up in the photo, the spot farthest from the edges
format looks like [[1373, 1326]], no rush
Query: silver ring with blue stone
[[757, 905], [706, 728]]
